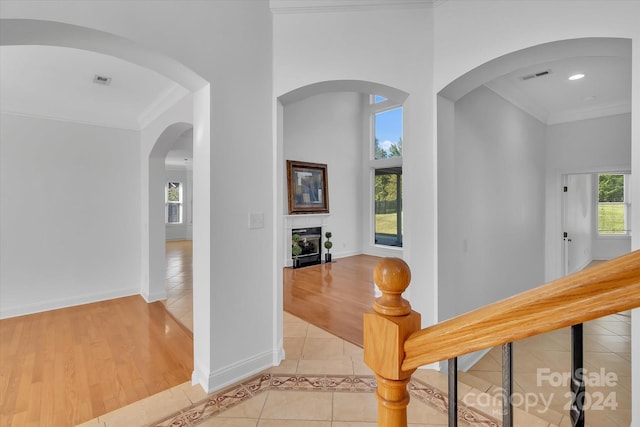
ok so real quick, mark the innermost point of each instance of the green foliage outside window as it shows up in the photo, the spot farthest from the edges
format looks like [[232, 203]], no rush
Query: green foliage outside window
[[173, 192], [611, 207], [610, 188]]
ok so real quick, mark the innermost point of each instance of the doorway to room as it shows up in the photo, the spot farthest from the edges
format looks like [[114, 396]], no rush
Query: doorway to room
[[595, 218]]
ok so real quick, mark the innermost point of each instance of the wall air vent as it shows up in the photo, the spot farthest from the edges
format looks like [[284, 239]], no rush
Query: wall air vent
[[102, 80], [536, 75]]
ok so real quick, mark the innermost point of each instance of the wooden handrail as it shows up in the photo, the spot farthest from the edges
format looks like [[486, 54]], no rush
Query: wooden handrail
[[598, 291], [394, 346]]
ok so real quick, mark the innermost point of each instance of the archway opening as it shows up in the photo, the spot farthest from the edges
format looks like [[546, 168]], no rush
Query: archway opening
[[499, 153]]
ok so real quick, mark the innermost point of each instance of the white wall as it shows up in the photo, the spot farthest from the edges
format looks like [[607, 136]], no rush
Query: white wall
[[594, 145], [500, 27], [349, 45], [70, 194], [327, 128], [228, 43], [497, 185]]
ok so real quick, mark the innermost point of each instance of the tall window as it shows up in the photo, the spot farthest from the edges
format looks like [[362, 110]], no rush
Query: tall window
[[388, 211], [612, 204], [174, 203], [387, 166]]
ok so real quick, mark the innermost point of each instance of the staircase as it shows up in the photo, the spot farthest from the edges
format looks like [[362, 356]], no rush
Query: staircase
[[394, 346]]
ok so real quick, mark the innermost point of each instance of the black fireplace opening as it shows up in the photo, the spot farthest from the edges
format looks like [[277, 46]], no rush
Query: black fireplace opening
[[311, 244]]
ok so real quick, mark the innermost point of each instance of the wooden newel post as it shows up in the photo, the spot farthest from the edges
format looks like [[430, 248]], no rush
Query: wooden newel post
[[386, 327]]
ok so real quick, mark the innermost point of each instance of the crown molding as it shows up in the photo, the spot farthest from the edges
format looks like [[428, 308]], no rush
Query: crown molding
[[325, 6], [511, 95], [595, 112], [171, 96], [123, 125]]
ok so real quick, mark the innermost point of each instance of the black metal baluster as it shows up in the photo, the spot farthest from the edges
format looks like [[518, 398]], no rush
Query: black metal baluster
[[507, 384], [453, 392], [577, 377]]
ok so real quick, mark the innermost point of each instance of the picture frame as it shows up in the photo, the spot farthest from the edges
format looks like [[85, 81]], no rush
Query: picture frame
[[307, 187]]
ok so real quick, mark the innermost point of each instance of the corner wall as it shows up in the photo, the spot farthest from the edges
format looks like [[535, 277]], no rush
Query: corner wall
[[492, 178]]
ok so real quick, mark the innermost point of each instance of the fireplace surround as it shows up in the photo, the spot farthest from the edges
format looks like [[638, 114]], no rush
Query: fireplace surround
[[311, 244]]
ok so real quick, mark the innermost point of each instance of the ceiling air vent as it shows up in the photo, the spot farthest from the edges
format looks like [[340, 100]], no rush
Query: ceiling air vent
[[536, 75], [102, 80]]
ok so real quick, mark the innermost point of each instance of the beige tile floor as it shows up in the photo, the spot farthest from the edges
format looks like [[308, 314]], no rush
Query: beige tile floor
[[311, 351], [540, 361]]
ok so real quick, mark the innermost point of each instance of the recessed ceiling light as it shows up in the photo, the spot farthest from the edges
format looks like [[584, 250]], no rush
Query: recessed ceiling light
[[576, 77]]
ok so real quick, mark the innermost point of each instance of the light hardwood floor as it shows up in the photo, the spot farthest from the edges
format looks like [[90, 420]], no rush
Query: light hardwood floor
[[63, 367], [332, 296], [39, 388]]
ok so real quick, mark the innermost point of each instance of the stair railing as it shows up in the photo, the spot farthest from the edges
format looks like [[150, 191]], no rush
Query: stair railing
[[395, 346]]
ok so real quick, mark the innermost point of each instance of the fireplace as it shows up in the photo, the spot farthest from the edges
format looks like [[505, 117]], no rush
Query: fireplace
[[311, 244]]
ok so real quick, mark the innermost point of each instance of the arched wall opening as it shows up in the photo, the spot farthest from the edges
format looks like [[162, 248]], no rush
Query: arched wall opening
[[48, 33], [496, 227], [326, 122], [157, 232]]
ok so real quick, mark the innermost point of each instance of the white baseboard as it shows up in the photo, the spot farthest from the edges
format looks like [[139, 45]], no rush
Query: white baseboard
[[583, 266], [279, 354], [235, 372], [156, 296], [466, 361], [40, 306]]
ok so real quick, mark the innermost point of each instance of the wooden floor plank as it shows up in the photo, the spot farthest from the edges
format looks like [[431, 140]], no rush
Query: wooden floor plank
[[332, 296], [67, 366]]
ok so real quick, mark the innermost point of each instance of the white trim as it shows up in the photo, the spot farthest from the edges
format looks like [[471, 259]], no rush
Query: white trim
[[122, 125], [39, 307], [162, 103], [326, 6], [155, 296], [465, 362], [589, 113], [236, 372]]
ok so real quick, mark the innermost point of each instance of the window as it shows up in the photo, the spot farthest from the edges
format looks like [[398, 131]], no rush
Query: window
[[386, 162], [174, 203], [612, 204], [388, 210], [388, 133]]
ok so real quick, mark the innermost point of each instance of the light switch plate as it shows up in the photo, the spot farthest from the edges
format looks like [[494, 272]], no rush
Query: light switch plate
[[256, 220]]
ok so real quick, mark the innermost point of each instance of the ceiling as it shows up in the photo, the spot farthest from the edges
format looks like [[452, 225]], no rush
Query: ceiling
[[552, 98], [58, 83]]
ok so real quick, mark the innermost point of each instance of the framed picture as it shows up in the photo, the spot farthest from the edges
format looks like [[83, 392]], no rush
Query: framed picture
[[307, 184]]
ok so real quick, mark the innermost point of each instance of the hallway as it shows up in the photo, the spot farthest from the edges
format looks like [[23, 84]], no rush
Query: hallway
[[607, 343], [322, 383]]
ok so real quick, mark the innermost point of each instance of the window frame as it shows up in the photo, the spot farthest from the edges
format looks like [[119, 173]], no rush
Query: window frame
[[383, 163], [625, 203], [179, 203]]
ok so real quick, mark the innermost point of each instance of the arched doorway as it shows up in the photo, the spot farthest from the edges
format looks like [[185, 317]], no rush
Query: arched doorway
[[487, 166], [47, 33], [331, 115]]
